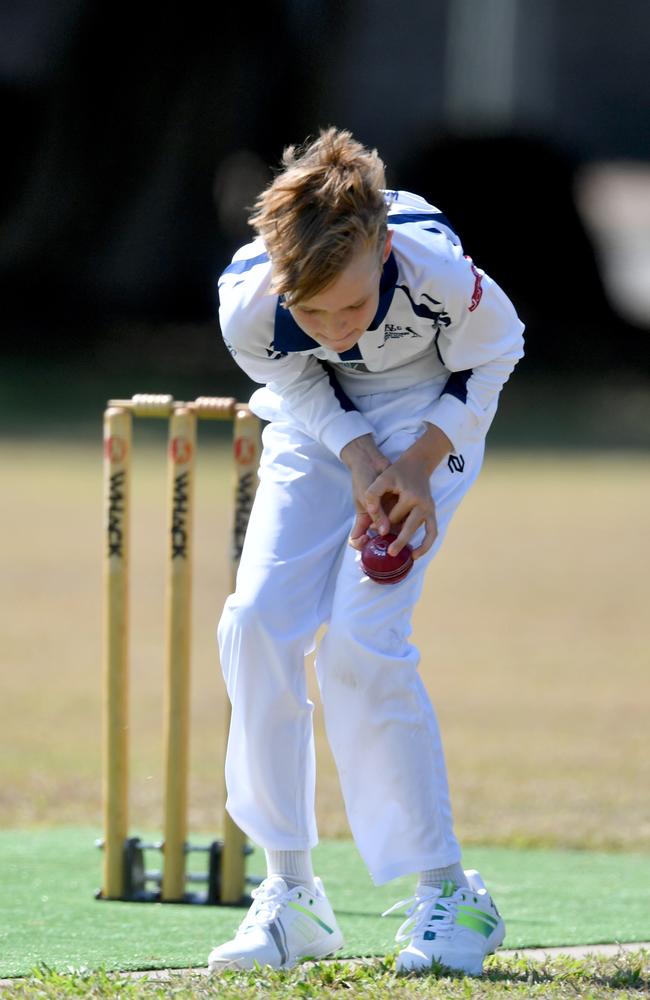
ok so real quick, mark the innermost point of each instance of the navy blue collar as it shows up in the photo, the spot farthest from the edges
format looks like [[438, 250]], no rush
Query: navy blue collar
[[386, 290], [289, 337]]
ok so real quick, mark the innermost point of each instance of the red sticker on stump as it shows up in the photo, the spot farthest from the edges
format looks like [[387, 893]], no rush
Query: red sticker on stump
[[115, 448], [244, 451], [181, 450]]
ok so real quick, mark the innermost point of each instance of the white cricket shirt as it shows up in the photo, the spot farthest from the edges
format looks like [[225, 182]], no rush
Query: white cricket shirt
[[440, 320]]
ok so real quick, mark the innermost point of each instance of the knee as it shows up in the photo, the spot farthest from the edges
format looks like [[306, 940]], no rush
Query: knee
[[263, 612], [242, 616], [363, 636], [368, 663]]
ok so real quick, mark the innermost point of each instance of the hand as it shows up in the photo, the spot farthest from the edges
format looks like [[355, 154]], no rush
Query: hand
[[365, 461], [407, 481], [400, 500]]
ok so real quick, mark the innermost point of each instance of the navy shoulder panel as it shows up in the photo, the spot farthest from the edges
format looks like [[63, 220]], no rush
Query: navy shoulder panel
[[456, 385], [287, 335], [401, 218], [241, 266]]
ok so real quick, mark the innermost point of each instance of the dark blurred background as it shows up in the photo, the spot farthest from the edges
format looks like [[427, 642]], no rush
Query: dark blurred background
[[135, 135]]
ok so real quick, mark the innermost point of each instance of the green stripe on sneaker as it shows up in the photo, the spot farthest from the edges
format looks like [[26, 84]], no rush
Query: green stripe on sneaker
[[481, 914], [312, 916], [474, 923], [447, 888]]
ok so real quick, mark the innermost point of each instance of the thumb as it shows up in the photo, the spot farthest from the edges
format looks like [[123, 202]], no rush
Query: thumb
[[359, 532]]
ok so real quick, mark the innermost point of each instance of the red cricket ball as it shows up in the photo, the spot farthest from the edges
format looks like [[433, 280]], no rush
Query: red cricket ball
[[382, 567]]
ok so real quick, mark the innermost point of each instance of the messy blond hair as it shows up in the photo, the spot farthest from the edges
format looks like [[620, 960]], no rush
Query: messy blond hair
[[325, 202]]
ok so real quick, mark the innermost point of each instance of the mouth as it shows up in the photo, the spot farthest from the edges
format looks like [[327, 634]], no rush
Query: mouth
[[335, 342]]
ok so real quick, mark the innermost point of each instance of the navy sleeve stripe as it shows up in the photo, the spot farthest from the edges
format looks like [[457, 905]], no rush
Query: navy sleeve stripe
[[344, 400], [420, 309], [456, 385], [437, 347], [239, 266]]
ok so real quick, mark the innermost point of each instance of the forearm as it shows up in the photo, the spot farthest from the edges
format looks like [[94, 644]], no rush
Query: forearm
[[362, 452], [428, 451]]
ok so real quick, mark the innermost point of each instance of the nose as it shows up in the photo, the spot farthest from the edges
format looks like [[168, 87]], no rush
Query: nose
[[338, 328]]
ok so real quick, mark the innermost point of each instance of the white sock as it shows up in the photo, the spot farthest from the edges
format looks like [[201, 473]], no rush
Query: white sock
[[434, 877], [293, 866]]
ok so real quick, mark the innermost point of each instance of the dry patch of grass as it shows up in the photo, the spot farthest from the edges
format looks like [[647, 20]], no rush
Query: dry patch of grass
[[533, 628], [538, 659]]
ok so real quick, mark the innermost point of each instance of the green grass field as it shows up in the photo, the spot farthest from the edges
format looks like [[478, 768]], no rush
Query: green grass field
[[49, 878], [534, 631]]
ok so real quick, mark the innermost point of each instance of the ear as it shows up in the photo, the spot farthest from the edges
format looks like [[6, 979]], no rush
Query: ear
[[388, 246]]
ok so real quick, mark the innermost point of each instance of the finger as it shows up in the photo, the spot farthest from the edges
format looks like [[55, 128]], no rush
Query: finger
[[402, 507], [388, 503], [359, 532], [362, 522], [406, 532], [379, 498], [358, 542], [378, 488], [378, 515], [429, 538]]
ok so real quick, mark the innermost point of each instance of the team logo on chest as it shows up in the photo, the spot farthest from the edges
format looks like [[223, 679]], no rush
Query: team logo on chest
[[392, 331]]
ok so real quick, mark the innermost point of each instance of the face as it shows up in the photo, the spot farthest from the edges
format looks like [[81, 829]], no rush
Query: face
[[338, 315]]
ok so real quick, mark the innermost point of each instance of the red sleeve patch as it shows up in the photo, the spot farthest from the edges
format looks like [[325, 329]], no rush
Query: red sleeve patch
[[478, 290]]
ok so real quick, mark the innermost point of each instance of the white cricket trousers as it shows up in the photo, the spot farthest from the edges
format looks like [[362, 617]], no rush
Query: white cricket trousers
[[298, 572]]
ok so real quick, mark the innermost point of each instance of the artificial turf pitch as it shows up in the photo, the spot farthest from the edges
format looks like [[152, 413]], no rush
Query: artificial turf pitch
[[48, 914]]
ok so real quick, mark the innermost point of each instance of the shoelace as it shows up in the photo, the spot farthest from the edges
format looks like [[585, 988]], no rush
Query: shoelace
[[419, 915], [268, 904]]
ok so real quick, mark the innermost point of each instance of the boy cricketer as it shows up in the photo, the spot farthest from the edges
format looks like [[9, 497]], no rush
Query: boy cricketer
[[381, 349]]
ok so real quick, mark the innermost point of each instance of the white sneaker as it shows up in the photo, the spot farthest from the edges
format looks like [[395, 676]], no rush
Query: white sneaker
[[282, 926], [453, 925]]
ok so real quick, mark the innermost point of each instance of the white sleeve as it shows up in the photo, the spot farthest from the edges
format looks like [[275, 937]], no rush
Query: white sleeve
[[480, 342], [308, 387]]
